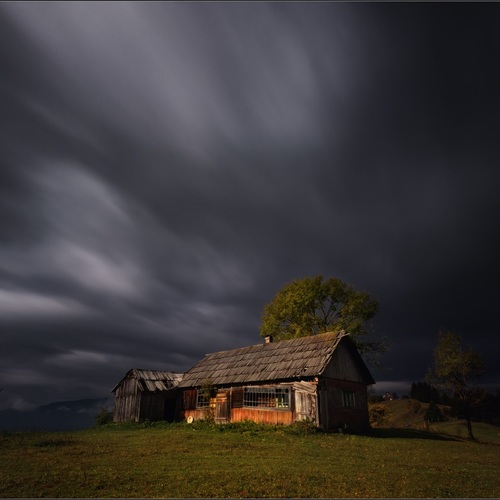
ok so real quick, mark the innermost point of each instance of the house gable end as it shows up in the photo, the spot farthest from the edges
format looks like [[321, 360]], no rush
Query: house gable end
[[347, 364]]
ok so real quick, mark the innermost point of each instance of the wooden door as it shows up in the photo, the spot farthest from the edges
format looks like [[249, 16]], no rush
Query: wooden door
[[305, 406], [221, 408]]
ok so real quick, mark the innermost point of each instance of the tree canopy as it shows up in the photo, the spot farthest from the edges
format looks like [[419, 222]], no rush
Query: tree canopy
[[426, 393], [312, 305], [456, 369]]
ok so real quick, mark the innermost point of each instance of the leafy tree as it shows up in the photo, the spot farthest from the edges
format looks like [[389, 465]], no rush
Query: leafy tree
[[311, 305], [456, 369], [433, 413]]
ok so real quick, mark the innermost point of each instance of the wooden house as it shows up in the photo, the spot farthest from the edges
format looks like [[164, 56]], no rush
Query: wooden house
[[321, 378], [146, 395]]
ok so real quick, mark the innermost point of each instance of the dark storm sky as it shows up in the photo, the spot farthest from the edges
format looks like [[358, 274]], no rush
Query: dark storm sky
[[165, 168]]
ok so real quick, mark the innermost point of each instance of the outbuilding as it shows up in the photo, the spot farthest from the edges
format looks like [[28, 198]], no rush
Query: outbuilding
[[146, 395], [321, 378]]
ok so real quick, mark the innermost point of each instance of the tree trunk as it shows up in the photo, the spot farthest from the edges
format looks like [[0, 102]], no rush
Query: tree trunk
[[469, 422], [469, 430]]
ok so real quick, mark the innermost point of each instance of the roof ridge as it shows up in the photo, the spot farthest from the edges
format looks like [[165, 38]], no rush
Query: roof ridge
[[286, 359], [306, 338]]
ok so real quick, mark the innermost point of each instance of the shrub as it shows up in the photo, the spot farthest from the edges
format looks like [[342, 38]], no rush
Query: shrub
[[377, 413], [306, 426], [433, 414], [104, 417]]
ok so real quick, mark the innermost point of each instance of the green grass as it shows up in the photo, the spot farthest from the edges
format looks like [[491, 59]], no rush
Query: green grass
[[180, 461], [484, 433], [409, 414]]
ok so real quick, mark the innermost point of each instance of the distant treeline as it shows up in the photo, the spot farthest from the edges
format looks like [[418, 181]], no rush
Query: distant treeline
[[426, 393]]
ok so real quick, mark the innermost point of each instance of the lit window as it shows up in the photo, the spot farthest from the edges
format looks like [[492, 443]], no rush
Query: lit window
[[349, 399], [266, 397], [202, 401]]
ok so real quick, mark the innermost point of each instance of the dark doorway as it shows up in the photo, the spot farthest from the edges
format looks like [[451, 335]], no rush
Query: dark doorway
[[169, 412]]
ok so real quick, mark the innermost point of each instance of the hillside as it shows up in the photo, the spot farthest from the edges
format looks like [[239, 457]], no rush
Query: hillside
[[409, 414], [403, 413]]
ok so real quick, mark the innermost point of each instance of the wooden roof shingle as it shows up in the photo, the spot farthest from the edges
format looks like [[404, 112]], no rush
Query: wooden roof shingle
[[152, 380], [281, 360]]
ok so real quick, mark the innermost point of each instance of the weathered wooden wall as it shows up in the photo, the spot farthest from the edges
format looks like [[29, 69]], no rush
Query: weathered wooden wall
[[127, 402], [343, 367], [187, 407], [333, 414], [263, 416], [132, 404], [260, 415], [228, 407], [152, 406], [320, 401]]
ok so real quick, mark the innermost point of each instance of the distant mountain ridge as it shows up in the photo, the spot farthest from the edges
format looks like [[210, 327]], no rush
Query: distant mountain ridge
[[77, 405], [60, 415]]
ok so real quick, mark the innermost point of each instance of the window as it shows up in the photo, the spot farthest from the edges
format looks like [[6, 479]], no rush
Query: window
[[201, 400], [266, 397], [349, 399]]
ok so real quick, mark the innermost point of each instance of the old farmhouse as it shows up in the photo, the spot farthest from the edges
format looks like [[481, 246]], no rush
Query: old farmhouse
[[146, 395], [321, 378]]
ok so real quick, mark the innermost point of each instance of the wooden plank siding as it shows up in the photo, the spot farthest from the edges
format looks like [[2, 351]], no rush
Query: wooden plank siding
[[127, 402], [334, 414], [321, 402], [263, 416], [146, 395], [153, 405], [228, 407], [197, 414], [342, 367]]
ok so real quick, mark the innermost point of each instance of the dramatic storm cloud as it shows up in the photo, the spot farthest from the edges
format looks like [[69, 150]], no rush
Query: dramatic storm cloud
[[167, 167]]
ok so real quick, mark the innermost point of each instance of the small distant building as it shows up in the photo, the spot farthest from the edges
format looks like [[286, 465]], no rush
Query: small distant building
[[387, 396], [321, 378], [146, 395]]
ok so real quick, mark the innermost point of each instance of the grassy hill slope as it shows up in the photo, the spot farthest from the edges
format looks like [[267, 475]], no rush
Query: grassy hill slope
[[409, 414], [239, 461]]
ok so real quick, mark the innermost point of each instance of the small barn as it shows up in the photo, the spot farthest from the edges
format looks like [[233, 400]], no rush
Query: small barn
[[321, 378], [146, 395]]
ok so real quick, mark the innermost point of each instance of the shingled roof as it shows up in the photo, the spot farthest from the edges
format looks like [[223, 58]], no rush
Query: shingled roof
[[152, 380], [282, 360]]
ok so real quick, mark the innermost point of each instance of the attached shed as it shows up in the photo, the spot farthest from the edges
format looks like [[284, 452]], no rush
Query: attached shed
[[321, 378], [146, 395]]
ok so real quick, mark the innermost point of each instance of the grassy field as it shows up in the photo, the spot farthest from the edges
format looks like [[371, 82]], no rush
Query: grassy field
[[179, 460]]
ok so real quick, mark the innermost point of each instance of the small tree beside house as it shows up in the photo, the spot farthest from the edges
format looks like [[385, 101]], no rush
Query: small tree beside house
[[456, 370]]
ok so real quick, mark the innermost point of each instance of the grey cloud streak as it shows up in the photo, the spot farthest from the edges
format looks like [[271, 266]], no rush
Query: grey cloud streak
[[167, 167]]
